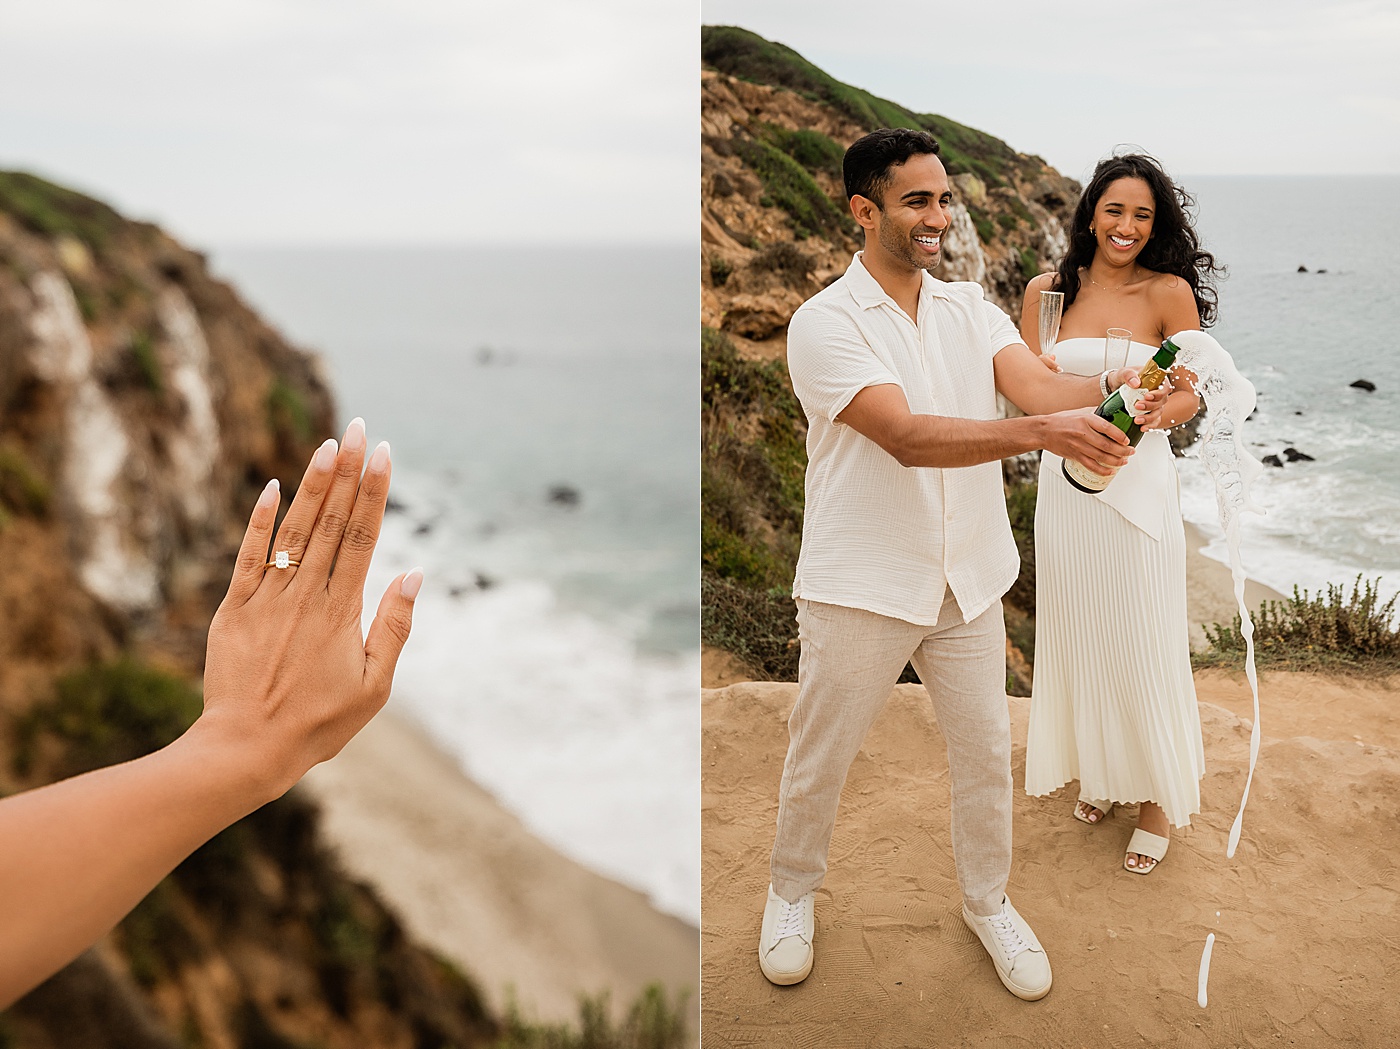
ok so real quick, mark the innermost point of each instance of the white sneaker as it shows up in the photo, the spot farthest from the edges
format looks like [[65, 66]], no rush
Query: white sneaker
[[785, 945], [1020, 960]]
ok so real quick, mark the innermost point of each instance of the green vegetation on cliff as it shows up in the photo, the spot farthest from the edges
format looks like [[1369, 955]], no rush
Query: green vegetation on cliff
[[748, 56], [46, 208], [753, 459]]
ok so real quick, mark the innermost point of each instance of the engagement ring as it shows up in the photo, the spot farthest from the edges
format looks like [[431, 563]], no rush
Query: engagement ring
[[283, 560]]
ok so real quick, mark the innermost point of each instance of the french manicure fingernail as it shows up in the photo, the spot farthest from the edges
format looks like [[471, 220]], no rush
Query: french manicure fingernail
[[269, 493], [379, 461], [324, 458], [412, 583], [355, 434]]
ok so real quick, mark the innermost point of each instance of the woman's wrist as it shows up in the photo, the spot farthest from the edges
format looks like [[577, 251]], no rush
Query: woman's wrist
[[236, 769]]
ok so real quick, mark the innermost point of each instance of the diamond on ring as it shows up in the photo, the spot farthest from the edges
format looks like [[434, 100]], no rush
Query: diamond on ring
[[284, 559]]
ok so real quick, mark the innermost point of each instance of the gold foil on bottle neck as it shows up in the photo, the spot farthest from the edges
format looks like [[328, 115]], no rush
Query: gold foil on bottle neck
[[1151, 375]]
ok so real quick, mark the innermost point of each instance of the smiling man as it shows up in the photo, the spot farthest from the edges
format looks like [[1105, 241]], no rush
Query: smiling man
[[906, 546]]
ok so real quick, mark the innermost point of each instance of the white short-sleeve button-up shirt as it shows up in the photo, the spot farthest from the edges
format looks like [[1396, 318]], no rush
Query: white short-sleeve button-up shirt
[[877, 535]]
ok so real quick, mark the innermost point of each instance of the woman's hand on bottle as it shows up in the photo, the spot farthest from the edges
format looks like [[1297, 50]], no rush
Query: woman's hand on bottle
[[1148, 403]]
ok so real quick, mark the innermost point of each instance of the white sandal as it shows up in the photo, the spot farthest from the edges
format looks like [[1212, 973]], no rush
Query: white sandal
[[1145, 843]]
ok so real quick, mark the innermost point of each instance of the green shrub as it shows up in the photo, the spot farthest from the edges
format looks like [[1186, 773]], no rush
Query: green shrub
[[1030, 264], [287, 411], [720, 270], [23, 489], [757, 625], [652, 1022], [155, 939], [986, 232], [812, 149], [143, 350], [1356, 631], [783, 257], [110, 713], [1008, 221], [789, 187], [1020, 510]]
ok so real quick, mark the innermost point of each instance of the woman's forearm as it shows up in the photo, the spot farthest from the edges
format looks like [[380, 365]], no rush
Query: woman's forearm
[[79, 854], [1181, 406]]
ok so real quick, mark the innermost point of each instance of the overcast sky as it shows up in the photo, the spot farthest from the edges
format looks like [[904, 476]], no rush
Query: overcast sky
[[1210, 86], [370, 121]]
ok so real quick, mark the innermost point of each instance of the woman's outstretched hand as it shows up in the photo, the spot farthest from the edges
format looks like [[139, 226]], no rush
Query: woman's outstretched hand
[[288, 676], [288, 681]]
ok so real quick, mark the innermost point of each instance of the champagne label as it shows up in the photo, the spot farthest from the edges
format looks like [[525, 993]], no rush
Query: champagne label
[[1084, 479]]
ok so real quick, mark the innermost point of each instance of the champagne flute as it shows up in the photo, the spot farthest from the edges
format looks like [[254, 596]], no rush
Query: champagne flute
[[1052, 307], [1115, 348]]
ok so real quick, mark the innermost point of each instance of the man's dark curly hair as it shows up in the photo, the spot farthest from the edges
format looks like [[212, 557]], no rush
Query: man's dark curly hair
[[867, 164]]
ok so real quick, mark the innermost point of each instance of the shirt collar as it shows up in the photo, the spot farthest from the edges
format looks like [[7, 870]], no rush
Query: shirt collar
[[866, 290]]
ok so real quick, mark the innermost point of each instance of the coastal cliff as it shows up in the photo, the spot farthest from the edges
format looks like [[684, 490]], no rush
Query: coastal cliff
[[143, 406], [775, 229]]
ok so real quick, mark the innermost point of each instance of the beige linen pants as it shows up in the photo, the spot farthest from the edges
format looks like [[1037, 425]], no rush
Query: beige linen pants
[[850, 662]]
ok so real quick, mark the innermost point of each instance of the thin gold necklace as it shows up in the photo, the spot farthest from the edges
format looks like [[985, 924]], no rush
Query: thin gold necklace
[[1105, 287]]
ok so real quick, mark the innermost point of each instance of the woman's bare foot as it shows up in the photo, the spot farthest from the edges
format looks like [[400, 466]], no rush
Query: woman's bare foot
[[1087, 812], [1152, 819]]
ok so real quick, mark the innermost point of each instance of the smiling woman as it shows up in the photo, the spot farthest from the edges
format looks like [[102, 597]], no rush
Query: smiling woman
[[1098, 713]]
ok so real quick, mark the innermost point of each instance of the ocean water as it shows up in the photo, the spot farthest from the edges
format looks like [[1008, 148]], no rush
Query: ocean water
[[542, 409], [1302, 339]]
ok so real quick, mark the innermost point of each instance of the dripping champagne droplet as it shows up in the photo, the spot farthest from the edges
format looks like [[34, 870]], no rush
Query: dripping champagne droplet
[[1204, 976]]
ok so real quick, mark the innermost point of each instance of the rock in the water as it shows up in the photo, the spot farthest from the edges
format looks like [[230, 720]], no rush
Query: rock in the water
[[1272, 460], [1321, 271], [1295, 456], [564, 495], [1302, 269], [1364, 384], [424, 528]]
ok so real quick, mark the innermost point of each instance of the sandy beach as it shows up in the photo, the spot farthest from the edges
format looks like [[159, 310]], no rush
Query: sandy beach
[[1306, 915], [471, 882]]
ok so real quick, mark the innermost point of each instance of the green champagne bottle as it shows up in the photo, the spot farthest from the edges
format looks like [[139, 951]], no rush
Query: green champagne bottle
[[1115, 409]]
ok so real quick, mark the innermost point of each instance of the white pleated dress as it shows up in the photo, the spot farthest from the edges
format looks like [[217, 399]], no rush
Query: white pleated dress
[[1113, 704]]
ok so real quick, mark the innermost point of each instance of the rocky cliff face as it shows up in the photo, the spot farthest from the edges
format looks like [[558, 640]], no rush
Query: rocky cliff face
[[775, 229], [774, 224], [142, 408]]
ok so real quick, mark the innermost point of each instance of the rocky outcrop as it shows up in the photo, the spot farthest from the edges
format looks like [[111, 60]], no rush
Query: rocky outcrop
[[142, 408]]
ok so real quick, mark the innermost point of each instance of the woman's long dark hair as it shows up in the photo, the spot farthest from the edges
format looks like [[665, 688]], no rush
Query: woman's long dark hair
[[1172, 248]]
